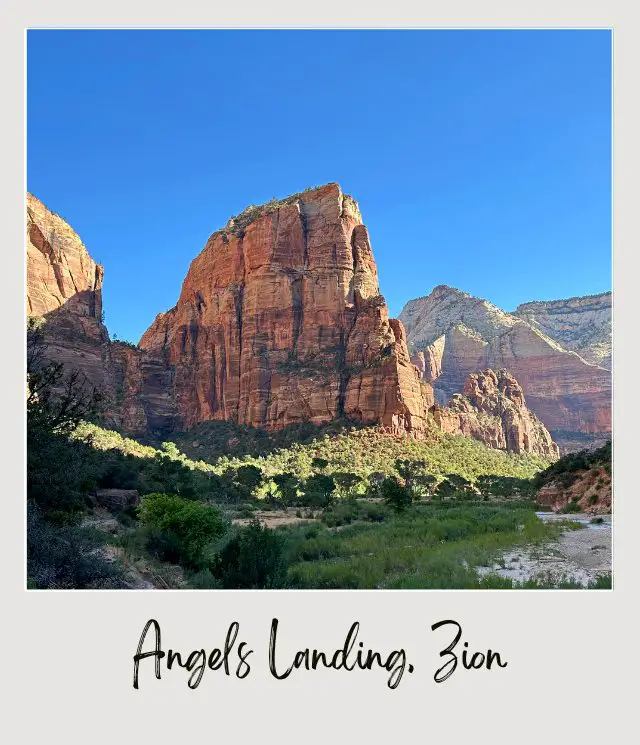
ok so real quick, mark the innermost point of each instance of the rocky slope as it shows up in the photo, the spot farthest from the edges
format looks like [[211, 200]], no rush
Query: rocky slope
[[64, 286], [579, 324], [280, 320], [493, 409], [452, 334], [578, 482]]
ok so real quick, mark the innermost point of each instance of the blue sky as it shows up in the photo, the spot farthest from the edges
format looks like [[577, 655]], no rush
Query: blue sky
[[480, 159]]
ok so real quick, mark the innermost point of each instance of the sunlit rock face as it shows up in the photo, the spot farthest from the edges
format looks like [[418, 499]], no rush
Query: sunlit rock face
[[64, 288], [452, 334], [280, 320]]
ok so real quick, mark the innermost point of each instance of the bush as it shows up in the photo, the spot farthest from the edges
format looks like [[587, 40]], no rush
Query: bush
[[252, 559], [570, 507], [180, 529], [204, 580], [65, 556]]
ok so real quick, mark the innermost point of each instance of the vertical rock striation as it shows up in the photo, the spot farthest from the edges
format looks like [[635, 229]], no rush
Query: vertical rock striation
[[280, 320]]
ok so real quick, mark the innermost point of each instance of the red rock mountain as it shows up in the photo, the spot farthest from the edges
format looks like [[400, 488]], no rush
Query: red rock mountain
[[492, 409], [452, 334], [280, 320]]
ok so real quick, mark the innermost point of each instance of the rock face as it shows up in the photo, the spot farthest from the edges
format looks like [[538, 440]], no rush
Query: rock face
[[280, 320], [492, 409], [64, 286], [452, 334], [579, 324]]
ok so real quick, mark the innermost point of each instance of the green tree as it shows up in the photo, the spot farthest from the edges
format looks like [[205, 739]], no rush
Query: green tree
[[319, 464], [287, 484], [346, 482], [319, 490], [395, 495]]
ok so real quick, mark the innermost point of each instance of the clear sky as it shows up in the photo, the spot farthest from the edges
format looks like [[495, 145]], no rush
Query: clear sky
[[480, 159]]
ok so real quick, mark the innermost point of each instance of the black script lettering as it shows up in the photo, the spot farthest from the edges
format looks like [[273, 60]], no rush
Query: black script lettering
[[140, 655], [470, 660]]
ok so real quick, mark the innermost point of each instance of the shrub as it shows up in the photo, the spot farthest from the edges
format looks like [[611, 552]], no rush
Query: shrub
[[252, 559], [571, 507], [204, 580], [319, 464], [65, 556], [180, 529]]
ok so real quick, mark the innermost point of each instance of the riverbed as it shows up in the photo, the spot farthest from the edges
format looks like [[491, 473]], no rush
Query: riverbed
[[579, 556]]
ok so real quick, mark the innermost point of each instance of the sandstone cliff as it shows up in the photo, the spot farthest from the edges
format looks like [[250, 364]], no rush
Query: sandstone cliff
[[452, 334], [493, 409], [64, 286], [280, 320]]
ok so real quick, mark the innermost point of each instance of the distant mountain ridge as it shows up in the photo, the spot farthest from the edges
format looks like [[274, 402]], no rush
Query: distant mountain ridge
[[578, 324], [552, 348]]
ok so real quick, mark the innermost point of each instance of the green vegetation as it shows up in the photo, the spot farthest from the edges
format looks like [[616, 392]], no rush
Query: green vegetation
[[425, 546], [179, 529], [370, 510], [238, 223]]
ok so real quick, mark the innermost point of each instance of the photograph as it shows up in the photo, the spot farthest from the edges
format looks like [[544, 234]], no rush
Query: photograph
[[318, 309]]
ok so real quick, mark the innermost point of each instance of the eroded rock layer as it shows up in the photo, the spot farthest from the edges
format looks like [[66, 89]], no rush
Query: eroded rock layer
[[493, 409]]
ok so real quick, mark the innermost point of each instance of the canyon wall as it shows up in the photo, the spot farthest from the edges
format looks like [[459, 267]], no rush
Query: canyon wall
[[64, 287], [452, 334], [579, 324]]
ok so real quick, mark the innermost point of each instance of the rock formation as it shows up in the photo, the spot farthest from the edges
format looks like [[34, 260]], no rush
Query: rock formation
[[579, 482], [493, 409], [280, 320], [64, 286], [452, 334]]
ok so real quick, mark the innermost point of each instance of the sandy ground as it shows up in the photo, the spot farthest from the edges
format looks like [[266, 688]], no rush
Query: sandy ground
[[579, 555], [274, 518]]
